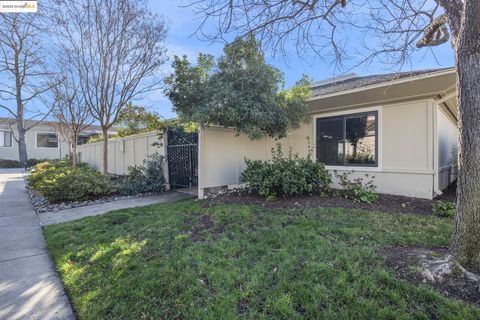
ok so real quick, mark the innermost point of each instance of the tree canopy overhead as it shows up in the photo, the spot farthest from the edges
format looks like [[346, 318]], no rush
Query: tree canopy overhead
[[240, 90], [136, 119]]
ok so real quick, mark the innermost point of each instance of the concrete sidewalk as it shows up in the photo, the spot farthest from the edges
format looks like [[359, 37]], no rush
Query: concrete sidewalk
[[29, 285], [66, 215]]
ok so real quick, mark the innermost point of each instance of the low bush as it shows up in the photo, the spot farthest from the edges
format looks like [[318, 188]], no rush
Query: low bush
[[146, 178], [286, 175], [44, 168], [8, 163], [357, 189], [59, 181], [33, 162], [444, 209]]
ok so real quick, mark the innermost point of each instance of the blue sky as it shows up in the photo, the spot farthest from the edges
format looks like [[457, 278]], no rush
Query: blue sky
[[182, 23]]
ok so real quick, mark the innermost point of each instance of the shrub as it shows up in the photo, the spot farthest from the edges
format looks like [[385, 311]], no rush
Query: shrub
[[33, 162], [8, 163], [40, 170], [146, 178], [356, 189], [286, 176], [444, 209], [58, 181]]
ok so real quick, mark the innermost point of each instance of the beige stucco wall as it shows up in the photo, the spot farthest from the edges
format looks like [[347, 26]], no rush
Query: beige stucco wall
[[405, 150], [32, 150], [123, 152], [222, 153]]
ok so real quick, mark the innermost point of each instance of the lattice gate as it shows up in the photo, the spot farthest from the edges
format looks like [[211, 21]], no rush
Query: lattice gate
[[183, 165]]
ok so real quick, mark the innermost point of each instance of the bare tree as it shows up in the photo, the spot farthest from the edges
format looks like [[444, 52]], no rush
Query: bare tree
[[391, 31], [69, 110], [117, 46], [24, 82]]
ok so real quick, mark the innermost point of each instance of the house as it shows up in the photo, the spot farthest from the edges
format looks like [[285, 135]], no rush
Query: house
[[399, 128], [42, 140]]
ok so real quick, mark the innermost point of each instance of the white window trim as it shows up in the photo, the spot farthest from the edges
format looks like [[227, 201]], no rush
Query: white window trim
[[378, 109], [46, 148], [11, 139]]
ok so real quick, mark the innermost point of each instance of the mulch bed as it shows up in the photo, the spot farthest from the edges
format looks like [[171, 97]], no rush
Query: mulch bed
[[404, 261], [384, 203]]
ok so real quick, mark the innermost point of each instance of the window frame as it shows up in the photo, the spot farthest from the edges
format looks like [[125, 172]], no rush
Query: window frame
[[46, 148], [344, 116], [11, 138]]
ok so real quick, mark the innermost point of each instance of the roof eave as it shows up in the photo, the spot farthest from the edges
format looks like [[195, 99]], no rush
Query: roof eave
[[385, 84]]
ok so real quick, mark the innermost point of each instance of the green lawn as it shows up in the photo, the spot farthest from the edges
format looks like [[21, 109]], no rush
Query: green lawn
[[190, 261]]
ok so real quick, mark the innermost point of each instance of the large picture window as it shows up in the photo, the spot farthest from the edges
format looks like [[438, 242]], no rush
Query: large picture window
[[47, 140], [5, 138], [347, 140]]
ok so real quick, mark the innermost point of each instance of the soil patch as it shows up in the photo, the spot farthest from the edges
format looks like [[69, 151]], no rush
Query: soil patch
[[384, 203], [409, 264], [205, 223]]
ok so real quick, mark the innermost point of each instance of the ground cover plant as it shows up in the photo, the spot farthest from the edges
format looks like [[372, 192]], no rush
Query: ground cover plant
[[360, 189], [444, 209], [204, 260]]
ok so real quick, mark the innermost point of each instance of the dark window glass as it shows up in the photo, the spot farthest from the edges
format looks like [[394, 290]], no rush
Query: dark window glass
[[360, 134], [47, 140], [5, 138], [330, 141], [347, 140]]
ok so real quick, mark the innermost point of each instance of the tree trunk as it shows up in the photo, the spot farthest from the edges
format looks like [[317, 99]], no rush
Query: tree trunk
[[466, 239], [22, 146], [74, 153], [105, 150]]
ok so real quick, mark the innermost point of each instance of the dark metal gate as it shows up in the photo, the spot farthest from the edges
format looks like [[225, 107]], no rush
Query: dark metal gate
[[183, 165]]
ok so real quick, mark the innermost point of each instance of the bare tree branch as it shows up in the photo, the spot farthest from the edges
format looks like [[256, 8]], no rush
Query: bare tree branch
[[23, 70], [117, 49]]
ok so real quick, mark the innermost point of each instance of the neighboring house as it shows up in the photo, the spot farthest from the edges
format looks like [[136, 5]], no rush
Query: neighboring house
[[400, 128], [42, 140]]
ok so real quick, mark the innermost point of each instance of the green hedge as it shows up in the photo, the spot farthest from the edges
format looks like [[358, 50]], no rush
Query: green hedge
[[59, 181], [7, 163], [286, 176]]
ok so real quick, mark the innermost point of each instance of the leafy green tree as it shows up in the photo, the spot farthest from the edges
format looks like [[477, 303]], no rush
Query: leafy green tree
[[241, 91], [134, 120]]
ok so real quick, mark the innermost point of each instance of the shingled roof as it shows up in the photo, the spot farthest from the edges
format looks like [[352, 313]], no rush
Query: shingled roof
[[354, 81]]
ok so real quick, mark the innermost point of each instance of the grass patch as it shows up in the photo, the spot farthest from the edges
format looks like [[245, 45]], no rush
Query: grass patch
[[188, 260]]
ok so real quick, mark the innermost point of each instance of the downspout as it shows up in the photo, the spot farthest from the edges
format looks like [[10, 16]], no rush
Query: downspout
[[436, 189]]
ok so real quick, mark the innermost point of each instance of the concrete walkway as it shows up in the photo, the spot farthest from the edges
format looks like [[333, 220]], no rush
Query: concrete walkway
[[66, 215], [29, 285]]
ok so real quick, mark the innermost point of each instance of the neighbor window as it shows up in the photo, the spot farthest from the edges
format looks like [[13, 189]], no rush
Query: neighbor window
[[47, 140], [347, 140], [5, 138]]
